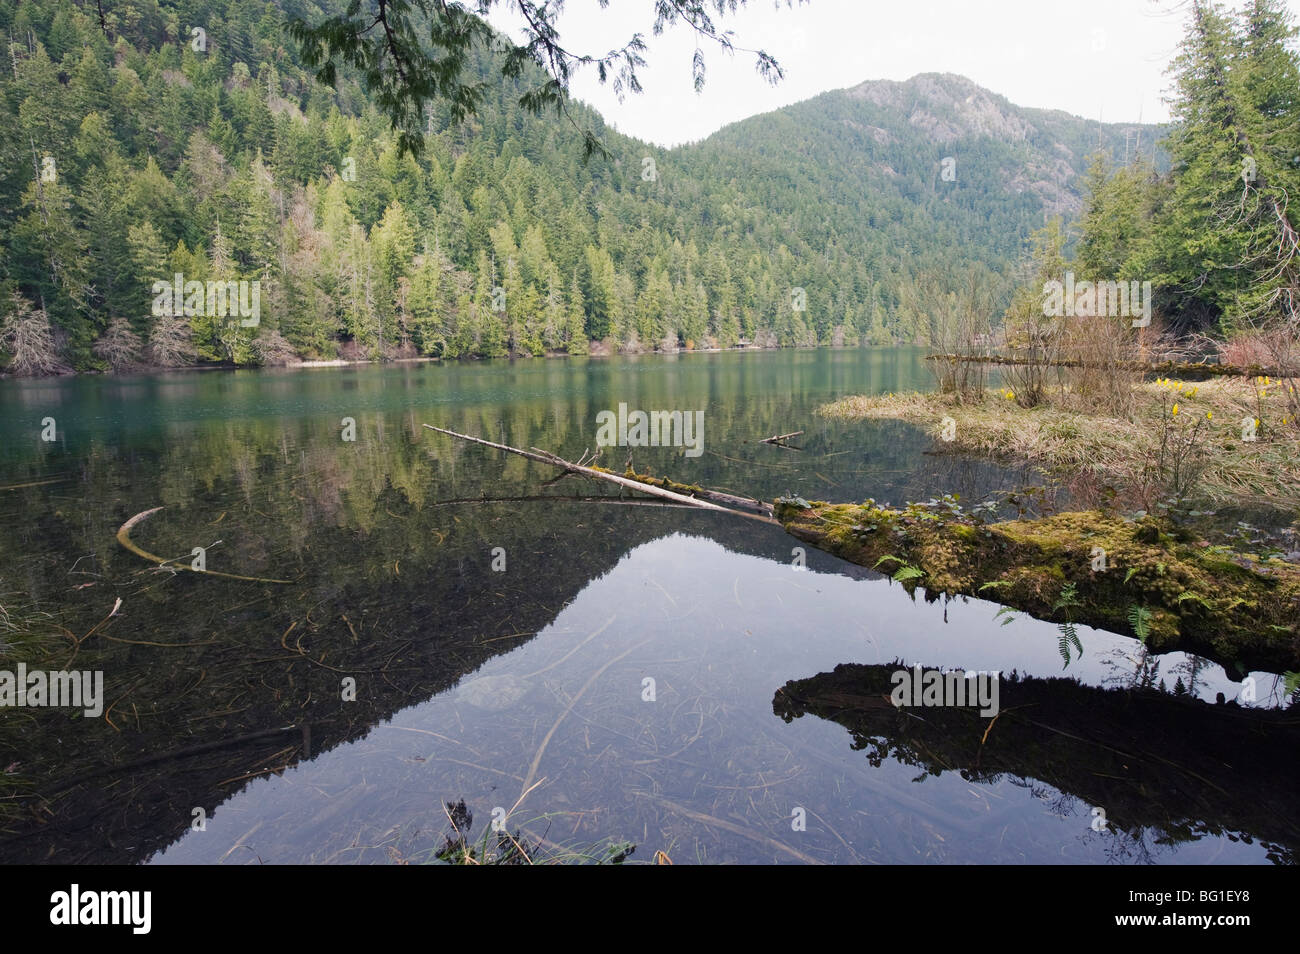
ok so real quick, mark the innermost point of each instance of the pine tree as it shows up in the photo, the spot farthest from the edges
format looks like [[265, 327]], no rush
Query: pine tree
[[576, 325], [1215, 222], [393, 243]]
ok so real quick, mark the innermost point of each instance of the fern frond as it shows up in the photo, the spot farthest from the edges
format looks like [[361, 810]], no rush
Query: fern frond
[[906, 571], [1139, 617], [1066, 598], [1193, 596]]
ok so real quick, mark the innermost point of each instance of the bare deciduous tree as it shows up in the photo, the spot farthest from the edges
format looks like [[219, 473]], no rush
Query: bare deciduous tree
[[171, 341], [273, 350], [119, 346], [26, 335]]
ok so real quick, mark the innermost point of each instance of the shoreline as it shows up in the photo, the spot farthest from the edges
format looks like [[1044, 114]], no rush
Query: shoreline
[[431, 359]]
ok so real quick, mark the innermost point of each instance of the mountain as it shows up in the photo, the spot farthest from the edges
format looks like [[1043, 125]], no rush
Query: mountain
[[140, 152], [890, 179]]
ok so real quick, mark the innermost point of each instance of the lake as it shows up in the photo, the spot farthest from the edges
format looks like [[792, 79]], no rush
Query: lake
[[585, 669]]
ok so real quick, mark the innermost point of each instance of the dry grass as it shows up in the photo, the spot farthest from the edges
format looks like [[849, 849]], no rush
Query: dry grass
[[1068, 443]]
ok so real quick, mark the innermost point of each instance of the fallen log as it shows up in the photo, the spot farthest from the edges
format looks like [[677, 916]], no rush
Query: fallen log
[[545, 457], [778, 438], [1184, 368], [1088, 568]]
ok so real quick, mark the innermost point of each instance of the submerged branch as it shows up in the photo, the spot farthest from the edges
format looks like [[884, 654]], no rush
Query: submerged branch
[[124, 538], [545, 457]]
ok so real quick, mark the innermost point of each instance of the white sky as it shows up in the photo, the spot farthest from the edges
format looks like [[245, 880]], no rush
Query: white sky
[[1095, 58]]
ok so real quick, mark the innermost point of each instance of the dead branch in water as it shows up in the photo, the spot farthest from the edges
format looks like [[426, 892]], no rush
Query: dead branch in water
[[778, 438], [545, 457], [690, 490], [124, 538], [559, 498]]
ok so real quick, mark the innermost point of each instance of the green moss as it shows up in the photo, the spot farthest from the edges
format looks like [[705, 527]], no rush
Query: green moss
[[1203, 603]]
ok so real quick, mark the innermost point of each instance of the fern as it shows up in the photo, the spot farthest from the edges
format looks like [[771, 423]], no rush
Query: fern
[[1139, 617], [995, 584], [1066, 598], [1129, 575], [1291, 682], [906, 571], [1193, 596], [1006, 611], [1069, 637]]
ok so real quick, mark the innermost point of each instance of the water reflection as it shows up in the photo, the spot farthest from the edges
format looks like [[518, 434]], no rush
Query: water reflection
[[522, 688], [1158, 770]]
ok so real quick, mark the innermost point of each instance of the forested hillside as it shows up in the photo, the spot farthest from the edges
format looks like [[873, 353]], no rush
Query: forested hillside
[[149, 139]]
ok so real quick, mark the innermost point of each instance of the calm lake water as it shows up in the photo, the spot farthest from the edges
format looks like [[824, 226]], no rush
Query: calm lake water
[[457, 625]]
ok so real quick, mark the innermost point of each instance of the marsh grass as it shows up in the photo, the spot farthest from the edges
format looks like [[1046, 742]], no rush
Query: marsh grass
[[1182, 440]]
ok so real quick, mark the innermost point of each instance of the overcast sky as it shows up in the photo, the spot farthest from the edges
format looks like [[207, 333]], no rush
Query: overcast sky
[[1095, 58]]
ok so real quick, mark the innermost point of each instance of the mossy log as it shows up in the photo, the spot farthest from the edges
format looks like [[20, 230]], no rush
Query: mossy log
[[1185, 596]]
